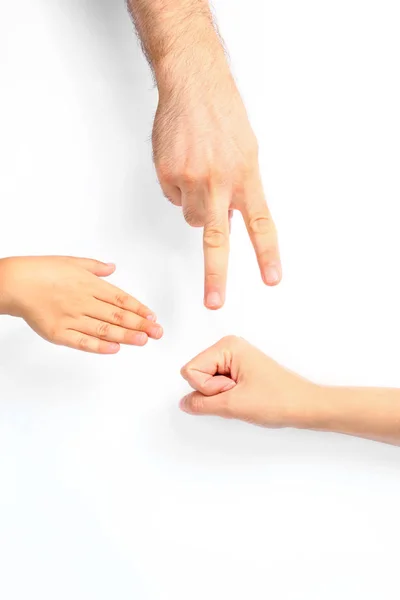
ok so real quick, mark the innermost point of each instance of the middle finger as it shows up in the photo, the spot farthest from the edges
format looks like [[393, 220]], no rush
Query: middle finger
[[124, 318]]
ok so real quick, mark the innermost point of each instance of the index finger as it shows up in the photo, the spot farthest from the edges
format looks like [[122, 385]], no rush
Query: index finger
[[209, 372], [262, 232], [216, 257], [112, 295]]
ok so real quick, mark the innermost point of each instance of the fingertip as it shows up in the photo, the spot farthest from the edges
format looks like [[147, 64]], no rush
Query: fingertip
[[101, 269], [140, 339], [213, 301], [271, 275], [112, 348], [184, 404], [156, 332]]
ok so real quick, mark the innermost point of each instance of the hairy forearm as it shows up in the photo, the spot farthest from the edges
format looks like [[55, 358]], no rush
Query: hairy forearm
[[372, 413], [174, 28]]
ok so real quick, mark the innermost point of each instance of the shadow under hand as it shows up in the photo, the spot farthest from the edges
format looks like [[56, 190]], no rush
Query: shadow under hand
[[29, 363], [209, 443]]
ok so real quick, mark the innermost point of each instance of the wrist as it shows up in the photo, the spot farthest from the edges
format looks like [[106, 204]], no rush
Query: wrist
[[197, 53], [8, 303], [5, 296], [304, 406], [328, 410]]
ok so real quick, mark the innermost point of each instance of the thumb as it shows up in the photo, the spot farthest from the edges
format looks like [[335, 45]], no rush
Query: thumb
[[95, 266], [198, 404]]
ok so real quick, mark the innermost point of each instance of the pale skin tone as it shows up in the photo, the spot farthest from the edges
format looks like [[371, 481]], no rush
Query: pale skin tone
[[234, 380], [205, 151], [67, 302]]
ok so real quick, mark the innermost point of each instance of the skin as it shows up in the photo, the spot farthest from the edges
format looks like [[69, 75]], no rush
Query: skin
[[234, 380], [66, 301], [205, 152]]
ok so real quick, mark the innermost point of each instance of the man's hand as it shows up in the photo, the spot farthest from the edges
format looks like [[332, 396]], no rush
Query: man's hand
[[232, 379], [205, 151], [64, 300]]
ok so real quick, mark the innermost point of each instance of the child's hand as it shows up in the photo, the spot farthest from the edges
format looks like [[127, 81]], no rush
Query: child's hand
[[234, 380], [66, 303]]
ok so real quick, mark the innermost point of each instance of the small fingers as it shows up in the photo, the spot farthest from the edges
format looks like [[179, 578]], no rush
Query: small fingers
[[209, 385], [111, 333], [86, 343], [210, 372]]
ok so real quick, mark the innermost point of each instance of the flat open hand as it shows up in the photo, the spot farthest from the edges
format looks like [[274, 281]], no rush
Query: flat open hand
[[64, 300]]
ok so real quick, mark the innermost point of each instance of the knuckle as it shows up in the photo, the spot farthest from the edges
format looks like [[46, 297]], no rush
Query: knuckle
[[230, 340], [82, 342], [239, 188], [217, 177], [192, 216], [55, 337], [50, 333], [164, 172], [121, 300], [142, 325], [260, 223], [103, 330], [184, 371], [117, 317], [214, 238], [190, 176]]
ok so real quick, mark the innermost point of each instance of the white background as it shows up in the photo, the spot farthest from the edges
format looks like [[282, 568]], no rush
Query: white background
[[107, 491]]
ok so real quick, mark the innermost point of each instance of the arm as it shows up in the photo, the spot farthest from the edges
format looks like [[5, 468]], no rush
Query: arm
[[174, 28], [205, 151], [372, 413], [235, 380], [65, 301]]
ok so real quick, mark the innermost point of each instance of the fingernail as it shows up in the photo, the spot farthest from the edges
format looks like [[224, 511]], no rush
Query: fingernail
[[111, 265], [156, 332], [152, 318], [213, 300], [140, 339], [271, 275], [113, 347]]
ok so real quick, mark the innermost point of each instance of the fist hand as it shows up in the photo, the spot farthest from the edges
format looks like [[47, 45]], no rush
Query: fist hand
[[206, 158], [232, 379], [64, 300]]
